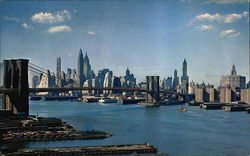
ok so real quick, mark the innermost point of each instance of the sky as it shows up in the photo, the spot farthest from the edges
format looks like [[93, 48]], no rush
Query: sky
[[151, 37]]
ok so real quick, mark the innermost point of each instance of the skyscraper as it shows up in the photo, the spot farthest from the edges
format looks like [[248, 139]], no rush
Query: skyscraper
[[107, 81], [87, 67], [184, 78], [176, 80], [233, 80], [35, 81], [58, 71], [80, 75]]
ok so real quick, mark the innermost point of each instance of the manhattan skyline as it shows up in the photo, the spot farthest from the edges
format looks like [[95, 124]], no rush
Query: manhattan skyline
[[149, 37]]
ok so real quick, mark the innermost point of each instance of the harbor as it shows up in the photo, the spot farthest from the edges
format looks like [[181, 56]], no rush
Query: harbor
[[16, 128]]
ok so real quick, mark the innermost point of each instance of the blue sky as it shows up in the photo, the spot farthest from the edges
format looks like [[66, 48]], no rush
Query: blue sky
[[151, 37]]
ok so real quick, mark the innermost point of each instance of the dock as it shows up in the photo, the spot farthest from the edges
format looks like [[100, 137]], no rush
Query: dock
[[129, 101], [53, 98], [90, 150], [212, 105], [15, 128], [236, 108]]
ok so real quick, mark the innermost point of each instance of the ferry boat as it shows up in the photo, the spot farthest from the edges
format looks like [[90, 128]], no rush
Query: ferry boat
[[107, 101], [181, 109]]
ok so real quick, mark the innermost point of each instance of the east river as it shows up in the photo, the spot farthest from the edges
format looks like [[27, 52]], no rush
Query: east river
[[196, 132]]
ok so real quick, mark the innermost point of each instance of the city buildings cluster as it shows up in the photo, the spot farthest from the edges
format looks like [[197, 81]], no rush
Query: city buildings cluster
[[232, 89], [175, 84], [84, 76]]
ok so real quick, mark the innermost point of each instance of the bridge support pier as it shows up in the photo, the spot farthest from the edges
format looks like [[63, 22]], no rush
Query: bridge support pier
[[153, 84], [16, 77]]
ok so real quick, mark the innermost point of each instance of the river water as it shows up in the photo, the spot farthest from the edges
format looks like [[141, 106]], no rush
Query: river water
[[196, 132]]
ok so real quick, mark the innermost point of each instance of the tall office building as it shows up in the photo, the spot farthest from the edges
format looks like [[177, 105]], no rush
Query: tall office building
[[184, 78], [176, 80], [87, 72], [68, 76], [58, 71], [80, 75], [35, 81], [101, 76], [233, 80], [107, 81]]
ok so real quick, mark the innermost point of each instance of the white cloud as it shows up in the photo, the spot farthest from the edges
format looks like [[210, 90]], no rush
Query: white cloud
[[227, 1], [91, 33], [229, 18], [209, 17], [229, 33], [26, 26], [61, 28], [12, 19], [205, 27], [232, 18], [47, 17]]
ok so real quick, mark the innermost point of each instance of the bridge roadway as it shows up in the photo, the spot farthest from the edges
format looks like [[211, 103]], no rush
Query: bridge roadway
[[35, 90]]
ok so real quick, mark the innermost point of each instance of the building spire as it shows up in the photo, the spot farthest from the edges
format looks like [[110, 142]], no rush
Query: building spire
[[233, 72]]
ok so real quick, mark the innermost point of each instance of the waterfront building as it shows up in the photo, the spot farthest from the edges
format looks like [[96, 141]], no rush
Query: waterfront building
[[116, 82], [204, 93], [245, 95], [233, 80], [58, 71], [80, 76], [163, 83], [101, 76], [69, 73], [107, 81], [248, 84], [169, 83], [74, 75], [227, 95], [35, 81], [47, 81], [175, 81], [184, 78], [191, 87], [130, 79]]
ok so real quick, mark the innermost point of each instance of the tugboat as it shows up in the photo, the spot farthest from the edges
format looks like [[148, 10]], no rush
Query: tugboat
[[181, 109]]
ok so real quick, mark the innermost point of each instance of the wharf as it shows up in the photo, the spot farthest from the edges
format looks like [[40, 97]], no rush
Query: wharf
[[193, 103], [129, 101], [92, 99], [236, 108], [53, 98], [15, 128], [212, 105], [89, 150]]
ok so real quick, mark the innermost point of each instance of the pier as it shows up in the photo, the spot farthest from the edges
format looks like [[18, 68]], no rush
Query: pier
[[90, 150]]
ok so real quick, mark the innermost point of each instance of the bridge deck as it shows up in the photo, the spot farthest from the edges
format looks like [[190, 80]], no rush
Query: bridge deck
[[34, 90]]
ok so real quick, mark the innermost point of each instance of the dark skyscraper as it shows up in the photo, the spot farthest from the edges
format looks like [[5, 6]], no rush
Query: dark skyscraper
[[176, 80], [58, 71], [184, 78], [87, 67], [80, 75]]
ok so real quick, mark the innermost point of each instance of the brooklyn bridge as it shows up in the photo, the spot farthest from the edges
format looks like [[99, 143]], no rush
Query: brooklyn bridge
[[16, 87]]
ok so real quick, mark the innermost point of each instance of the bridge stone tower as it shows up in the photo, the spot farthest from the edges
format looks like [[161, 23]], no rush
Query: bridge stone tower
[[16, 77], [153, 84]]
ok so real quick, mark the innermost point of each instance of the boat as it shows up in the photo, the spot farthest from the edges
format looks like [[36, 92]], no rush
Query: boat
[[107, 101], [181, 109]]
